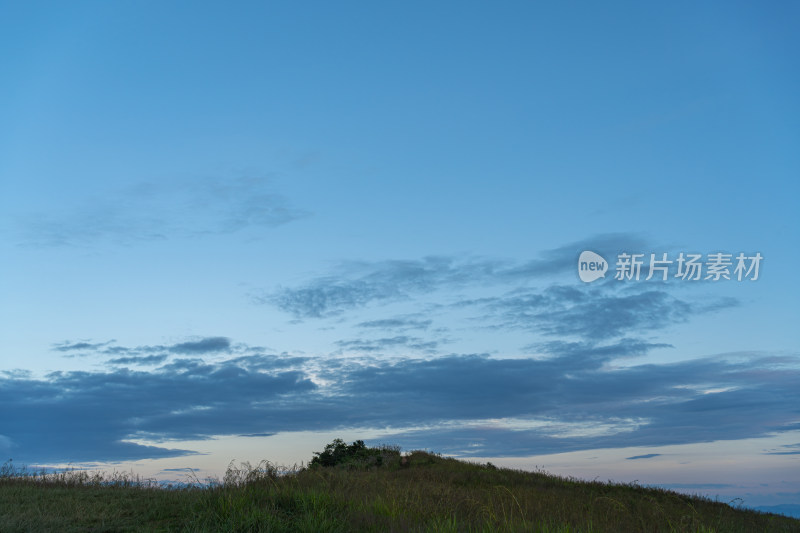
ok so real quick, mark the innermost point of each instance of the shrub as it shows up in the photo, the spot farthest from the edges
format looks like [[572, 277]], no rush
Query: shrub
[[357, 454]]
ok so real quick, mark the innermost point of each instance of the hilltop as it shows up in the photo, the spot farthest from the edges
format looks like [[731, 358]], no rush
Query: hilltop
[[355, 488]]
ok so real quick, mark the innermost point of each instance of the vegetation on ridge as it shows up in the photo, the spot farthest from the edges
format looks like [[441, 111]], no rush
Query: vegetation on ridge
[[357, 488]]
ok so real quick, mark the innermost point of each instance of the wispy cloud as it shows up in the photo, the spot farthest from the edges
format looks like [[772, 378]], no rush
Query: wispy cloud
[[355, 284], [149, 354], [390, 280], [591, 312], [154, 211], [144, 360], [68, 346], [399, 323], [789, 449], [379, 345], [589, 350], [531, 295]]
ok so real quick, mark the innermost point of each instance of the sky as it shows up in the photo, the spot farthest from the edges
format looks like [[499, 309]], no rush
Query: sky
[[236, 231]]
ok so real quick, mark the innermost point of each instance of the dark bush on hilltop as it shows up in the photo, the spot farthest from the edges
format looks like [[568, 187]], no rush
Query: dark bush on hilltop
[[353, 455]]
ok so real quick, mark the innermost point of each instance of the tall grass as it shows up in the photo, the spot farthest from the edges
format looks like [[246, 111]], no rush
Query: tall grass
[[422, 492]]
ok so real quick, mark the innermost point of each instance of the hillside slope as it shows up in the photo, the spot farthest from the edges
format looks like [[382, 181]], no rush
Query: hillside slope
[[378, 492]]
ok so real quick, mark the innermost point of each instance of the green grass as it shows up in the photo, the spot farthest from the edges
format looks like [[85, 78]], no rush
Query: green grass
[[428, 494]]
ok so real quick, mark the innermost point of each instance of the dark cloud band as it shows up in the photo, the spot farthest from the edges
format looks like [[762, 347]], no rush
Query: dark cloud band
[[452, 403]]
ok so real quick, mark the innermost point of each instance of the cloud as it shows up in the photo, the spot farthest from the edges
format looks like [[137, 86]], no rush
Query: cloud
[[396, 323], [17, 373], [152, 354], [358, 284], [96, 416], [68, 346], [593, 351], [379, 345], [555, 405], [645, 456], [595, 312], [565, 258], [138, 360], [156, 211], [471, 404], [263, 362], [590, 312], [206, 345], [788, 449], [388, 280]]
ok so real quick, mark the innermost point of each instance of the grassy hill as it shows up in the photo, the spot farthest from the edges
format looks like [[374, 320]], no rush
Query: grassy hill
[[354, 488]]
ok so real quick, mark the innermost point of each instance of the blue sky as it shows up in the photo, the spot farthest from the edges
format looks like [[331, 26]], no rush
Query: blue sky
[[238, 231]]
